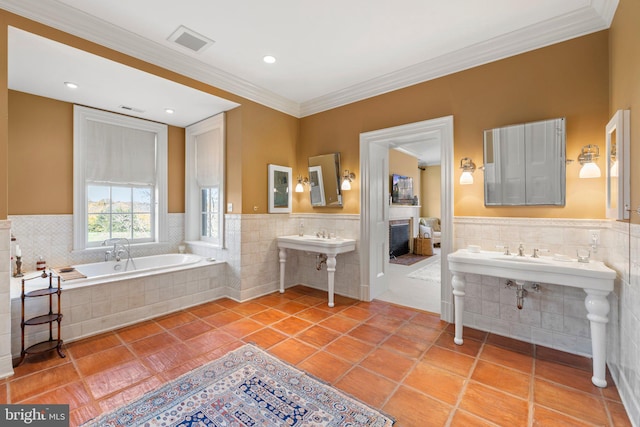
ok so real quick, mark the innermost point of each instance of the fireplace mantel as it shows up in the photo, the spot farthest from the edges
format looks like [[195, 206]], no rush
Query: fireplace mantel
[[406, 212]]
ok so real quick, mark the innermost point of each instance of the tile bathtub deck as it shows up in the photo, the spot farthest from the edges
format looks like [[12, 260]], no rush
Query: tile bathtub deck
[[397, 359]]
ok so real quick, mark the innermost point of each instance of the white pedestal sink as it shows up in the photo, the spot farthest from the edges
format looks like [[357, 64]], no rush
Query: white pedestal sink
[[329, 247], [594, 278]]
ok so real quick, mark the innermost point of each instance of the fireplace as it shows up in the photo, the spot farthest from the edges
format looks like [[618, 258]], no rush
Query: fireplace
[[399, 237]]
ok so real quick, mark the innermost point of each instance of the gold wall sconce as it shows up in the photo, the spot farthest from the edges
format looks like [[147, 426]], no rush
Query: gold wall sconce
[[587, 158], [301, 184], [347, 178], [468, 167]]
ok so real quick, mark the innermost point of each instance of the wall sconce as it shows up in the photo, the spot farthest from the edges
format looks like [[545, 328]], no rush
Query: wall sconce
[[346, 179], [301, 183], [468, 167], [587, 158]]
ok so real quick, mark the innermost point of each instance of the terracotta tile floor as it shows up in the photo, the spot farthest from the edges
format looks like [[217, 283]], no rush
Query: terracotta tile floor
[[400, 360]]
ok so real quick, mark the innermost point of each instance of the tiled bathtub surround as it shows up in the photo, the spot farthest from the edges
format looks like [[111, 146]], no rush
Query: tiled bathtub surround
[[90, 310]]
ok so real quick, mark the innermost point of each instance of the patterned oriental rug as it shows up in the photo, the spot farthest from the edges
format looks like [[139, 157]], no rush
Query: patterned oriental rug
[[246, 387]]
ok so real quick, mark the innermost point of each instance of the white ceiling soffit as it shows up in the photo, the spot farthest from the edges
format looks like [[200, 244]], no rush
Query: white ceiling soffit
[[41, 66], [587, 17]]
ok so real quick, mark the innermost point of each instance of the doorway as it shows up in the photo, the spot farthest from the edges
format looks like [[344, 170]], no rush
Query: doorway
[[374, 204]]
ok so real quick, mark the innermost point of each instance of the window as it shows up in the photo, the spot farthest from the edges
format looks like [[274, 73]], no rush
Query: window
[[120, 211], [204, 215], [120, 178]]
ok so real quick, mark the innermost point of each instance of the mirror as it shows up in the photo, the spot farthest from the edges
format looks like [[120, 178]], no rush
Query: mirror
[[279, 189], [324, 179], [617, 140], [524, 164]]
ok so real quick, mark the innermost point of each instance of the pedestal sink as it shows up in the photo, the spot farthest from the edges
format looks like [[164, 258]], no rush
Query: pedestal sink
[[593, 277], [328, 247]]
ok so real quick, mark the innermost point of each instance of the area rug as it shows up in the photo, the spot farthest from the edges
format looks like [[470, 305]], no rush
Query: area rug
[[430, 272], [246, 387], [408, 259]]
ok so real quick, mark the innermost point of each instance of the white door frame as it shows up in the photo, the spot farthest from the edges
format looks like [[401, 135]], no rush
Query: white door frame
[[444, 127]]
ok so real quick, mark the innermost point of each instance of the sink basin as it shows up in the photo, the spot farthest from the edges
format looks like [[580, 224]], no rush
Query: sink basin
[[524, 259], [566, 272], [317, 244]]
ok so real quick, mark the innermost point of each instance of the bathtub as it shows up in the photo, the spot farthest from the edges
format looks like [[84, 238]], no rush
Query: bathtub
[[111, 298], [141, 265]]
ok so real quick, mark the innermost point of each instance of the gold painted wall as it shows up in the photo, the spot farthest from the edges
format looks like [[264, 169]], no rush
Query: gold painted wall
[[41, 157], [256, 135], [430, 200], [4, 117], [568, 79], [624, 48]]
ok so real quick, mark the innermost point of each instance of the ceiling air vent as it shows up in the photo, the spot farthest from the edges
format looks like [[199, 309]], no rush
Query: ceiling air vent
[[190, 39], [127, 108]]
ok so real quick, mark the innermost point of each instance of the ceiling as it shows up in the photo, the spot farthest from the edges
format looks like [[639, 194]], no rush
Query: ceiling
[[329, 53]]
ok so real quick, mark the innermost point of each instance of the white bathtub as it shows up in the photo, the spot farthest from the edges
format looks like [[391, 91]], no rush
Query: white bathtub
[[137, 265], [110, 298]]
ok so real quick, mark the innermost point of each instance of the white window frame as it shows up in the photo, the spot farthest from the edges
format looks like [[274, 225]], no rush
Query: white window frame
[[81, 116], [193, 210]]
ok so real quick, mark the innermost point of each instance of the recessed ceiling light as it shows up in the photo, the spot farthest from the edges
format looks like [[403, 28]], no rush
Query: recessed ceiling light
[[269, 59], [71, 85], [169, 110]]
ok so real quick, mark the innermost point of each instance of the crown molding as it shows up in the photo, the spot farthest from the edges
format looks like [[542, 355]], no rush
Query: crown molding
[[578, 23], [73, 21], [596, 16]]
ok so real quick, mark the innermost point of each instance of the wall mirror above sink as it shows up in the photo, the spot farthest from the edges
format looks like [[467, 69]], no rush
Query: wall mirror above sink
[[279, 189], [324, 180], [617, 165], [524, 164]]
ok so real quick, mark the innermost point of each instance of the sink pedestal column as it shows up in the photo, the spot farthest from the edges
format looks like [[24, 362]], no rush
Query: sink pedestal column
[[331, 270], [598, 308], [283, 261], [458, 283]]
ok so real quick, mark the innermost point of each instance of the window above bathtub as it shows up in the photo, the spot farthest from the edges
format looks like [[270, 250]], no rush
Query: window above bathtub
[[204, 181], [120, 178]]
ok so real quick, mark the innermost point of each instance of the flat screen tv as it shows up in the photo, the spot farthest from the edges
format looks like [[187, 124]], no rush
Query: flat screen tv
[[401, 189]]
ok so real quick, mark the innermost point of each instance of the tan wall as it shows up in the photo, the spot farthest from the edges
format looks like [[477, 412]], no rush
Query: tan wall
[[624, 48], [176, 154], [268, 137], [568, 79], [404, 164], [41, 157], [256, 135], [4, 113], [430, 200]]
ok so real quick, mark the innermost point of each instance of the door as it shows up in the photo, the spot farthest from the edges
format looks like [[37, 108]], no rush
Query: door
[[378, 207]]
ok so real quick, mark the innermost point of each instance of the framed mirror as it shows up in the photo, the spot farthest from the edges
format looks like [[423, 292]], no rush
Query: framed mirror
[[324, 171], [279, 189], [524, 164], [617, 142]]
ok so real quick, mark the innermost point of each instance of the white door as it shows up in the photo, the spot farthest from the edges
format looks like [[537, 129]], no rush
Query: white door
[[379, 220]]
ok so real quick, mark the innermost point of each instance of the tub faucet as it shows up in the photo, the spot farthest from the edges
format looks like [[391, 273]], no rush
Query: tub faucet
[[521, 250], [121, 246]]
